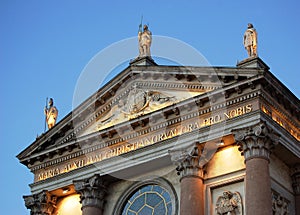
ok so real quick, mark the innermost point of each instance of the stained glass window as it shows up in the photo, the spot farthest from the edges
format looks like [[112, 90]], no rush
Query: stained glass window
[[149, 200]]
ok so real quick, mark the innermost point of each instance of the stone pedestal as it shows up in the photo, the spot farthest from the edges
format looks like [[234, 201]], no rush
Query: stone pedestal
[[255, 144], [92, 193], [253, 62], [143, 61], [191, 170]]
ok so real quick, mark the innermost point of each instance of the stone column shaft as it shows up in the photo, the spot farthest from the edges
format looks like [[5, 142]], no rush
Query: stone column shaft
[[91, 211], [191, 196], [191, 182], [258, 197], [255, 144]]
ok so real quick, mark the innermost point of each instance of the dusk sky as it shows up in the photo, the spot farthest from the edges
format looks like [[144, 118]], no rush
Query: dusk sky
[[45, 46]]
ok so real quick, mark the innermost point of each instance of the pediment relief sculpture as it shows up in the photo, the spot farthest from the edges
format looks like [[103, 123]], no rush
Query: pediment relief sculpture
[[229, 204], [137, 103]]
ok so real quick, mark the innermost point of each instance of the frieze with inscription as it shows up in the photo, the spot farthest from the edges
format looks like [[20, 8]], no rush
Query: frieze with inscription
[[125, 146]]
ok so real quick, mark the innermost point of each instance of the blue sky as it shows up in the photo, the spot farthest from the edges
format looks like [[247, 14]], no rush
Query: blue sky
[[45, 45]]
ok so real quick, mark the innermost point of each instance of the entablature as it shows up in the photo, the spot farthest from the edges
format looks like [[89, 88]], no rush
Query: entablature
[[60, 135], [149, 129], [221, 88]]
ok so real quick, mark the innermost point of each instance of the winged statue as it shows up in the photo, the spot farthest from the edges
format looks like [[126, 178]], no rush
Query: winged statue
[[229, 204]]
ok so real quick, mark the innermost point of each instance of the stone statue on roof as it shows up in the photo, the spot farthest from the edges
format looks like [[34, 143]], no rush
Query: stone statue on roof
[[51, 113], [145, 39], [250, 41]]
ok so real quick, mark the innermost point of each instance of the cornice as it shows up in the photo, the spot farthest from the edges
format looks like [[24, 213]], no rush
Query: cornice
[[277, 88], [196, 70], [270, 100], [186, 86]]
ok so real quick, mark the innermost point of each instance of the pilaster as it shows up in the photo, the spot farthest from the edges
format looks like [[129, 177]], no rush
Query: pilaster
[[92, 194], [42, 203]]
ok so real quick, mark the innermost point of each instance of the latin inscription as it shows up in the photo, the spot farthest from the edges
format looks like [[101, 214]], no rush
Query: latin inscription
[[148, 140]]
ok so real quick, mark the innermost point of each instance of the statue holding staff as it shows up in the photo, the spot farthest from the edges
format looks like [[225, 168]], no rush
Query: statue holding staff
[[51, 113], [250, 41], [145, 39]]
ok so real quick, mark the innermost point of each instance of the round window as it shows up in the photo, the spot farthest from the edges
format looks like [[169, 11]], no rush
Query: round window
[[149, 200]]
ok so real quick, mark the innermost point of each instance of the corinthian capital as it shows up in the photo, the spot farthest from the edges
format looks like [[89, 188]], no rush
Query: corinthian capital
[[42, 203], [92, 191], [190, 162], [256, 141]]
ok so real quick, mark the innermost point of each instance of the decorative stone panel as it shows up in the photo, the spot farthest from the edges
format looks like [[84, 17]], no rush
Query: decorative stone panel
[[229, 203], [280, 205]]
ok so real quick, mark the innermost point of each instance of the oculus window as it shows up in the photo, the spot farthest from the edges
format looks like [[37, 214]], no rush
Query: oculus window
[[151, 199]]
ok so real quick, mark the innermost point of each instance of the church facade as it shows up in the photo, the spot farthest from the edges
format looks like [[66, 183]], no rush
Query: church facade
[[173, 140]]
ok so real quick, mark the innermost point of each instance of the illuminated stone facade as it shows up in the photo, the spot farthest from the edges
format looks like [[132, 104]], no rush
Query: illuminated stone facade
[[173, 140]]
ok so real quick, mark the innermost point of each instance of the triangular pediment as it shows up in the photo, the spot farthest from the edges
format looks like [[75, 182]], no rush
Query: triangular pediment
[[148, 104], [137, 91], [152, 88]]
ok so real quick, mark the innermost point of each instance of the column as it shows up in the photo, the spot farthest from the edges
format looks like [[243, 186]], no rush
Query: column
[[255, 144], [296, 187], [92, 193], [191, 171], [42, 203]]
